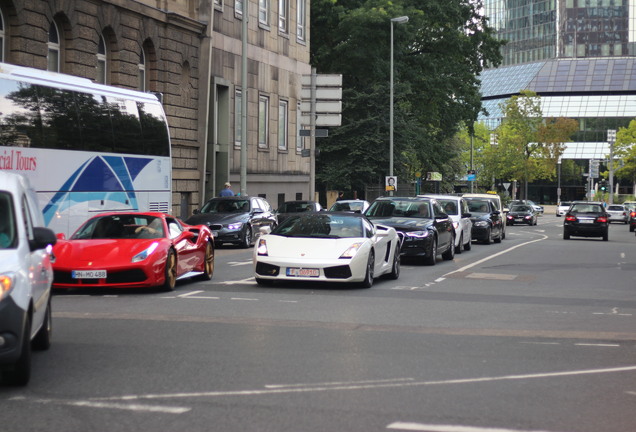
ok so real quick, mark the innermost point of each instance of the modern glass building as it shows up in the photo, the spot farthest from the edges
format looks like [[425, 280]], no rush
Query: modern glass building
[[579, 56]]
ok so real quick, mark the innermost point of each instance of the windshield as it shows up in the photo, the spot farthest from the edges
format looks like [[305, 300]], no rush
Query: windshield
[[449, 206], [226, 206], [7, 224], [121, 226], [399, 208], [478, 206], [347, 206], [321, 226], [586, 208], [520, 208], [296, 207], [616, 208]]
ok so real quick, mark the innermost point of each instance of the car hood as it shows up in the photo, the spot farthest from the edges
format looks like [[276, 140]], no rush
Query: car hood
[[308, 248], [480, 216], [216, 218], [106, 251], [520, 213], [404, 223]]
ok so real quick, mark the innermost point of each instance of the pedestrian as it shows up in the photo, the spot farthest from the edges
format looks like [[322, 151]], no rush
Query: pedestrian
[[340, 196], [226, 191]]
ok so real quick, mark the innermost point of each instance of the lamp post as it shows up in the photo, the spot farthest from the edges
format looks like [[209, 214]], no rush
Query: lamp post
[[399, 20], [611, 139]]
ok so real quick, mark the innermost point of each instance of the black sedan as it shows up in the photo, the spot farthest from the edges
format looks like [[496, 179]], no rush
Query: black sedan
[[487, 221], [298, 206], [235, 219], [426, 230], [586, 219], [521, 213]]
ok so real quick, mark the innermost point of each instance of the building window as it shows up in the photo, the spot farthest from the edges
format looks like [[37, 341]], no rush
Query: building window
[[238, 7], [283, 15], [101, 60], [238, 117], [263, 12], [218, 3], [300, 20], [299, 139], [141, 67], [282, 125], [263, 121], [54, 49]]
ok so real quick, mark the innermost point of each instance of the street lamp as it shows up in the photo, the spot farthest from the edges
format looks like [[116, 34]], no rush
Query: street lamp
[[399, 20], [611, 139]]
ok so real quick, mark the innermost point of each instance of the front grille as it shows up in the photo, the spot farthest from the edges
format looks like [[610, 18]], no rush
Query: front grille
[[338, 272], [215, 227], [267, 269]]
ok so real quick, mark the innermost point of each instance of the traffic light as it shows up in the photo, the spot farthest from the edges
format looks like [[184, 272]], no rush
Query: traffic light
[[603, 186]]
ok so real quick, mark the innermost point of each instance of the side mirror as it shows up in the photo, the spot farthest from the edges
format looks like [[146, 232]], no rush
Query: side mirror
[[258, 211], [42, 237]]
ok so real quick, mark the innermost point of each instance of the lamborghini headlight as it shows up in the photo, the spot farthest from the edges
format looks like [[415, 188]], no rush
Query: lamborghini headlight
[[146, 253], [351, 251]]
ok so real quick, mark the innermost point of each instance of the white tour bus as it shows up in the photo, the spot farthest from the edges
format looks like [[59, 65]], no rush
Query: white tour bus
[[87, 148]]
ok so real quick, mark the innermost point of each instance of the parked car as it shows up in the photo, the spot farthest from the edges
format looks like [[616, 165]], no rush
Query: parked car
[[356, 206], [487, 221], [586, 219], [327, 246], [25, 279], [521, 213], [289, 208], [131, 250], [236, 219], [562, 208], [427, 231], [457, 208], [496, 200], [617, 213]]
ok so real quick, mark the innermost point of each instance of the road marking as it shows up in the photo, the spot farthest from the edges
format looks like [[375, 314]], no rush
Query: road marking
[[236, 282], [488, 258], [440, 279], [243, 298], [448, 428], [338, 383], [108, 405], [239, 263], [614, 312], [622, 254], [493, 276], [344, 387], [597, 345], [542, 343]]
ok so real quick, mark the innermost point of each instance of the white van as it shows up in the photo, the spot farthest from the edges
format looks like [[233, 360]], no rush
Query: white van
[[25, 278]]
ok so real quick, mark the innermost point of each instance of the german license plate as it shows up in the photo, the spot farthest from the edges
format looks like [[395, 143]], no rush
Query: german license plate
[[586, 221], [303, 272], [88, 274]]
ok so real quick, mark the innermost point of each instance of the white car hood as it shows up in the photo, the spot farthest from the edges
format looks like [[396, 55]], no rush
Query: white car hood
[[308, 248]]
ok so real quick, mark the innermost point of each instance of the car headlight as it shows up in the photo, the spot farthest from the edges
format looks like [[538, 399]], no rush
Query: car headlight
[[235, 226], [351, 251], [261, 249], [145, 254], [481, 224], [7, 282], [417, 234]]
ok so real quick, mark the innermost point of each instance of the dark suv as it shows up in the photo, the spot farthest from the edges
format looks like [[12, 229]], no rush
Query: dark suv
[[586, 219]]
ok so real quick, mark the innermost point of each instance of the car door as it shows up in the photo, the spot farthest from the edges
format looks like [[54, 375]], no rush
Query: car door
[[444, 226], [183, 244], [381, 244], [465, 222], [497, 221]]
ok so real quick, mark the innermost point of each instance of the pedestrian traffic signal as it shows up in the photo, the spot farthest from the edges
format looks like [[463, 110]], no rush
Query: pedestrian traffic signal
[[603, 186]]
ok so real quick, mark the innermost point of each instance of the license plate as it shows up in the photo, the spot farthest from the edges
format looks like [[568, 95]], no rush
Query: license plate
[[303, 272], [586, 221], [215, 233], [88, 274]]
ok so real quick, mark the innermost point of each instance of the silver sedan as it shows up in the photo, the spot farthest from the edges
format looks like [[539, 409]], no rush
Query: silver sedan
[[617, 213]]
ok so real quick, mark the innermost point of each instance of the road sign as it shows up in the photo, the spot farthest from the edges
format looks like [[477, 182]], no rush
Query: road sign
[[320, 133], [325, 103], [390, 183]]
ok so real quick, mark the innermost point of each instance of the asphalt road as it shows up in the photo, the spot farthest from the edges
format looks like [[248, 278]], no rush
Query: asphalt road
[[533, 334]]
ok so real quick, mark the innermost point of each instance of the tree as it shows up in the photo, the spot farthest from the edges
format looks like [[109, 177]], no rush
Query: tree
[[438, 56], [625, 149], [529, 146]]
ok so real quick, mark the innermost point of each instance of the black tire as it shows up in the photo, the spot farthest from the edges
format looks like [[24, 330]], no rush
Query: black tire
[[469, 245], [264, 282], [449, 254], [395, 268], [499, 238], [606, 235], [368, 276], [458, 249], [170, 272], [208, 265], [246, 241], [42, 340], [566, 235], [20, 374], [431, 256], [631, 228], [487, 239], [502, 236]]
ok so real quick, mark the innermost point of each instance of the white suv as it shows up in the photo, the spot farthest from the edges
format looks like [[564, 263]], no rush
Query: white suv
[[457, 209], [25, 279]]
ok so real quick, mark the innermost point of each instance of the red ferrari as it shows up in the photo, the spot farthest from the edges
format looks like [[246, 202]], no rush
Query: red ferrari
[[129, 250]]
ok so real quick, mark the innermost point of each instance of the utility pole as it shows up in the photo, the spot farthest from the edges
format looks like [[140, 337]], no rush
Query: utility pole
[[611, 139]]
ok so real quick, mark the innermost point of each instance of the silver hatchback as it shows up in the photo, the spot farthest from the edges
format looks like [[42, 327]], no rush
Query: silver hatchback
[[617, 213]]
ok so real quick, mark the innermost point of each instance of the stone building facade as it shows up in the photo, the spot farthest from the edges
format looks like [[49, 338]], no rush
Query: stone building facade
[[189, 52]]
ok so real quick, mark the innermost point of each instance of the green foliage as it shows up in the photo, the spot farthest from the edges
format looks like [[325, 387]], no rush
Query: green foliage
[[438, 55], [626, 151]]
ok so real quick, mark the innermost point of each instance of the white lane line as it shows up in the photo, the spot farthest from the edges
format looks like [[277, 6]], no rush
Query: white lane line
[[191, 293], [108, 405], [541, 343], [236, 282], [239, 263], [597, 345], [447, 428], [338, 383], [243, 298], [622, 254], [288, 301], [440, 279], [476, 263], [258, 392]]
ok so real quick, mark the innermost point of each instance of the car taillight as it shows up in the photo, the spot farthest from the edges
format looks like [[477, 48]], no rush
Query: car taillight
[[601, 219], [570, 218], [632, 214]]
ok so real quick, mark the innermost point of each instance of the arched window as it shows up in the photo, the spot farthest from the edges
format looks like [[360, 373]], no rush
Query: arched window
[[53, 57], [141, 67], [101, 61]]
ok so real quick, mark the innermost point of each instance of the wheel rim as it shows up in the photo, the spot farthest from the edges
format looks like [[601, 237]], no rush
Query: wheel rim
[[248, 236], [209, 259], [370, 267]]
